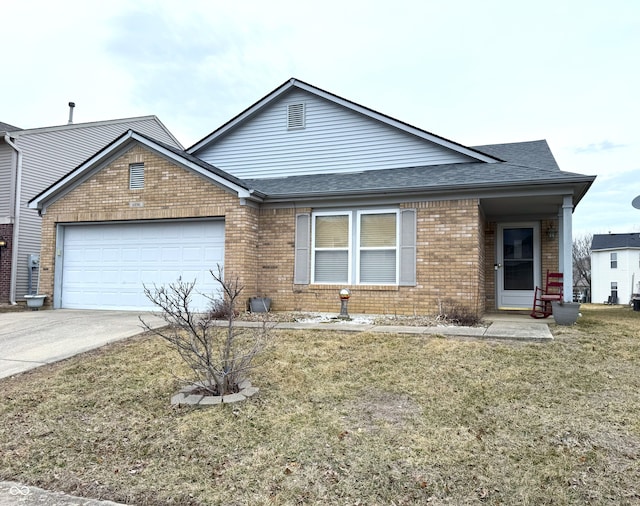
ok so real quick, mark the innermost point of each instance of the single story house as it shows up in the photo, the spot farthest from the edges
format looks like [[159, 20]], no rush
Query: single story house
[[305, 193], [615, 268], [31, 160]]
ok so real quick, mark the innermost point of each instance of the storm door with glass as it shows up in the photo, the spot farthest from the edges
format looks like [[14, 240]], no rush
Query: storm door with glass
[[518, 265]]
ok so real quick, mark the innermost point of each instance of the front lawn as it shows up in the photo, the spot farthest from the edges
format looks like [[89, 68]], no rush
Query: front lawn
[[344, 418]]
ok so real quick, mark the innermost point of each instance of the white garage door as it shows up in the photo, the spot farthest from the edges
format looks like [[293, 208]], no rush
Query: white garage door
[[105, 266]]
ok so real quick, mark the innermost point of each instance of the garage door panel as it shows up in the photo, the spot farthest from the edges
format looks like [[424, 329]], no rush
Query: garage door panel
[[108, 275], [171, 254], [214, 255], [150, 254], [111, 255], [107, 266]]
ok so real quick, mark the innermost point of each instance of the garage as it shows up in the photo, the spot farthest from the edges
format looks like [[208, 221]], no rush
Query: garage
[[106, 266]]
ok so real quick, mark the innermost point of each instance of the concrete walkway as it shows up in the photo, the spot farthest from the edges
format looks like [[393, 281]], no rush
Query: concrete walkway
[[29, 339], [500, 326]]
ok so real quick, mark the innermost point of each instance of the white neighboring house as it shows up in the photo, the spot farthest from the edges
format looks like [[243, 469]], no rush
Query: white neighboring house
[[615, 268], [30, 161]]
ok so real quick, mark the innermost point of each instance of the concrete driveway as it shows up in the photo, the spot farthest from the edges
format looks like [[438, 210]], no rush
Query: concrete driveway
[[29, 339]]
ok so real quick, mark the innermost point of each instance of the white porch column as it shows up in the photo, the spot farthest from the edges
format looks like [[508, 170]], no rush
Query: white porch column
[[566, 247]]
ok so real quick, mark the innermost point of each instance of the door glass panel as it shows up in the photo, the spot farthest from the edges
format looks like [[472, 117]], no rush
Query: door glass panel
[[518, 258]]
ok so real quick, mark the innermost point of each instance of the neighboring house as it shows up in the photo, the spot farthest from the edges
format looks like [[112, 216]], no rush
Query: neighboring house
[[305, 193], [32, 159], [615, 268]]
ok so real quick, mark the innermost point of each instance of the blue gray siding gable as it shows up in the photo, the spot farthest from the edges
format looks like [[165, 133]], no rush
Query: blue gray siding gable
[[335, 139]]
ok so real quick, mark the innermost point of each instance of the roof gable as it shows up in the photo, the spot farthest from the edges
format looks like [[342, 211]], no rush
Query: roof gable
[[70, 130], [112, 151], [339, 136]]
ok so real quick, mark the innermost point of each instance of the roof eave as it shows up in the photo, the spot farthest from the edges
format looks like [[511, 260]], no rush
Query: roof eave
[[115, 149], [427, 190]]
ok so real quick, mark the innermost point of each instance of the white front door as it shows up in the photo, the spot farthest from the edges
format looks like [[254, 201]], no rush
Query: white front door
[[518, 264]]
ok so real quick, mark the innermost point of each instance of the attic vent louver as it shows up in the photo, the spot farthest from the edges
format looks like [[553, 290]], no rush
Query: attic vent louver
[[295, 116], [136, 176]]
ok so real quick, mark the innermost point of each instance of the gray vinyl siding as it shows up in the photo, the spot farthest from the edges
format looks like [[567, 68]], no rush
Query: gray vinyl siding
[[6, 182], [48, 155], [334, 140]]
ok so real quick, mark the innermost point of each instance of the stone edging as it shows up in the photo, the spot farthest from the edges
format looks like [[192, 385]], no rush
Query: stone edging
[[185, 397]]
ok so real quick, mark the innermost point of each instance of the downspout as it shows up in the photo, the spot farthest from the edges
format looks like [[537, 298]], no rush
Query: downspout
[[16, 221]]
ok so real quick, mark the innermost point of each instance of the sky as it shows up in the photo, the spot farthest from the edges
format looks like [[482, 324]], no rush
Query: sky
[[474, 72]]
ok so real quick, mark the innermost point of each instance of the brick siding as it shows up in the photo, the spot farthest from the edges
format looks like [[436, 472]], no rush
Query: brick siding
[[169, 192], [443, 228], [455, 245], [6, 233]]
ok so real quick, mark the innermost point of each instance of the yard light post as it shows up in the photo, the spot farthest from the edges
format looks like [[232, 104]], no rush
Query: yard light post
[[344, 300]]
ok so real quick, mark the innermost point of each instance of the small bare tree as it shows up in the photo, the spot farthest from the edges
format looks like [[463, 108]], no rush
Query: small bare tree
[[582, 260], [220, 356]]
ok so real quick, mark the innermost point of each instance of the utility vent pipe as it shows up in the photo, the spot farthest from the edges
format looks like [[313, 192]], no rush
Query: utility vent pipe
[[71, 106]]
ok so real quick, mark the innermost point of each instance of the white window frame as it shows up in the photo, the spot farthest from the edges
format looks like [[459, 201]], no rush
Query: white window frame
[[353, 249], [614, 260], [360, 248], [348, 248]]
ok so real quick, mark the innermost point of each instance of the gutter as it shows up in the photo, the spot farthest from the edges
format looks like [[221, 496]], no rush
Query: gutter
[[16, 222]]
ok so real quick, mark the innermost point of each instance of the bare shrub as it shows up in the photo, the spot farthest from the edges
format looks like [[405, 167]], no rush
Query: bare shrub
[[219, 356], [454, 312]]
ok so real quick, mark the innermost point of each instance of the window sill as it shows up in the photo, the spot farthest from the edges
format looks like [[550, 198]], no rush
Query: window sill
[[360, 288]]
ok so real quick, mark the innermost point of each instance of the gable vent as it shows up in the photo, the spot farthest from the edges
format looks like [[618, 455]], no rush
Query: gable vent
[[136, 176], [295, 116]]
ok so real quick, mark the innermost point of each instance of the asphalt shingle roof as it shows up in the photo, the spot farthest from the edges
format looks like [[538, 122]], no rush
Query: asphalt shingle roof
[[435, 177], [615, 241], [6, 127], [531, 153], [543, 169]]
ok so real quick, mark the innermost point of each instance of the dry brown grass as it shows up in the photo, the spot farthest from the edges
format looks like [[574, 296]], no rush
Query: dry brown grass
[[344, 418]]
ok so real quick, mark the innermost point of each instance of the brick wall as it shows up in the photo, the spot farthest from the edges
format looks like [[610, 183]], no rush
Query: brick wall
[[449, 261], [169, 192], [455, 244], [550, 260], [6, 233]]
